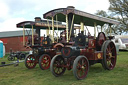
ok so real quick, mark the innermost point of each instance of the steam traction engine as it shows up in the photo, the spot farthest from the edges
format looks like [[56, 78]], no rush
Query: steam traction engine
[[44, 49], [86, 49]]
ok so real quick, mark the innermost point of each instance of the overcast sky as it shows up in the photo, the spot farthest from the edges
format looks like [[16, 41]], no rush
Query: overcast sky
[[15, 11]]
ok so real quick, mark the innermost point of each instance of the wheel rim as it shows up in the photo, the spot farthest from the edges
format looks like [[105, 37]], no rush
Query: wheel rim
[[30, 61], [45, 62], [110, 56], [82, 68], [58, 66]]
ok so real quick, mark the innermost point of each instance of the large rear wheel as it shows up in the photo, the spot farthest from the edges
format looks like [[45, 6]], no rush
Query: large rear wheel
[[30, 61], [44, 61], [109, 55], [80, 67], [57, 65]]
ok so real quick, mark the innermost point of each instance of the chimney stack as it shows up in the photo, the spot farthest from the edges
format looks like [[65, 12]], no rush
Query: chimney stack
[[37, 19]]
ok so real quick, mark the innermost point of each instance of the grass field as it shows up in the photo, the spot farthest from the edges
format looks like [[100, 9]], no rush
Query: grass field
[[20, 75]]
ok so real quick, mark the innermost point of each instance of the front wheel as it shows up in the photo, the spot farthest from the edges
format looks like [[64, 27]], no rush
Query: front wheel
[[30, 61], [57, 65], [44, 61], [80, 67]]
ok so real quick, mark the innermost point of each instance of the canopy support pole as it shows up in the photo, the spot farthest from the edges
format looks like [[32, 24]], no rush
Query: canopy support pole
[[47, 32], [53, 29], [97, 29], [71, 27], [101, 28], [67, 28], [23, 36], [110, 30], [75, 33], [32, 36], [94, 30], [82, 27], [48, 27], [57, 27]]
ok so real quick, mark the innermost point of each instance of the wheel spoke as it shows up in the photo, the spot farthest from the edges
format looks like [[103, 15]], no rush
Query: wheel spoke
[[107, 51], [59, 70], [54, 67], [108, 59], [56, 70], [30, 64], [111, 64], [79, 63], [109, 47], [112, 48], [78, 72], [83, 62], [113, 57]]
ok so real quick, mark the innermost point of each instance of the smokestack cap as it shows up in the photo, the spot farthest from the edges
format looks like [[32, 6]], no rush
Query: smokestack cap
[[71, 7], [38, 19]]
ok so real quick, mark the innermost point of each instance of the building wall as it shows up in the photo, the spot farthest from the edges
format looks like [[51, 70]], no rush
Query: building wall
[[14, 43]]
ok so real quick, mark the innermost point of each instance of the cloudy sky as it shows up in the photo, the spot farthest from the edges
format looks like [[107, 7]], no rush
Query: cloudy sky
[[15, 11]]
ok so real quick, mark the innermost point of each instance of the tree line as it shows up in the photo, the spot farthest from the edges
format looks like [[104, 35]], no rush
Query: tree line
[[118, 10]]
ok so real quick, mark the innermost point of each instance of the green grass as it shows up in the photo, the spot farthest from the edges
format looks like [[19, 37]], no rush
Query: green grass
[[20, 75]]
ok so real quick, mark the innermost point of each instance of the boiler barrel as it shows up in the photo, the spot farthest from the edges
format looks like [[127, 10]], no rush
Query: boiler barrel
[[70, 51]]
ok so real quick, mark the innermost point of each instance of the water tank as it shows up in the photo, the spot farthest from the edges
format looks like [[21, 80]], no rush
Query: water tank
[[1, 49]]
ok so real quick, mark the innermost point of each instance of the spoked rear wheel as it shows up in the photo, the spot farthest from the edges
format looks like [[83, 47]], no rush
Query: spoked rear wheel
[[57, 65], [44, 61], [109, 55], [80, 67], [30, 61]]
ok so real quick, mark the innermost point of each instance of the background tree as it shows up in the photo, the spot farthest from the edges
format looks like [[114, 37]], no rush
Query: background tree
[[118, 11], [115, 29], [120, 8]]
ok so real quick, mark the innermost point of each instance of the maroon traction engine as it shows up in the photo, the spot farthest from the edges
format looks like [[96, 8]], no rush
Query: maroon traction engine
[[42, 50], [86, 50]]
